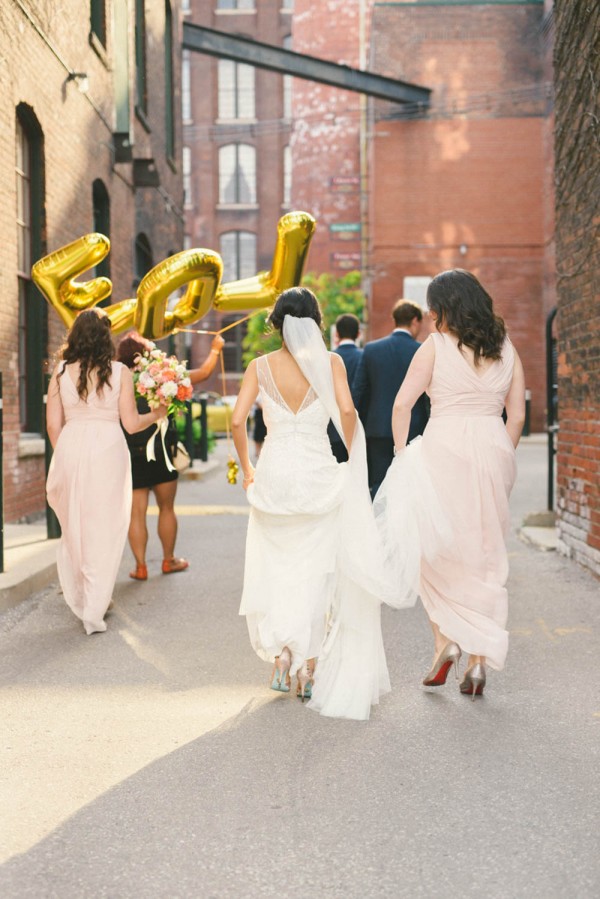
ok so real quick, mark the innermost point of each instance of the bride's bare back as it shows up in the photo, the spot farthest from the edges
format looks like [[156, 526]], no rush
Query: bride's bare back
[[289, 380]]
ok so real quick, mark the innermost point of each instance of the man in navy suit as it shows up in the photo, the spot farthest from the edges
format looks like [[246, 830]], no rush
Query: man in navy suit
[[380, 373], [347, 327]]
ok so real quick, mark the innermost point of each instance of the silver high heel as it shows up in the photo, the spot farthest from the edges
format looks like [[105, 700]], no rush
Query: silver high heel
[[449, 656], [279, 678], [474, 681]]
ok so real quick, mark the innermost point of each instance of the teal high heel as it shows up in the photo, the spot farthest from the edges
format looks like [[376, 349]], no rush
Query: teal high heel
[[305, 681], [281, 670]]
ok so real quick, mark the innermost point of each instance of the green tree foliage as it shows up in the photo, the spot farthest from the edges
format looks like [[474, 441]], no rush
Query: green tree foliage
[[336, 296]]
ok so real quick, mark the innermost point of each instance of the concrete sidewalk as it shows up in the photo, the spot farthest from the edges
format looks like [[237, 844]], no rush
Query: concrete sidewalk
[[30, 558]]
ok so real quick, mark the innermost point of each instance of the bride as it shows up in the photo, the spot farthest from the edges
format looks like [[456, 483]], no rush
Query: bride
[[313, 579]]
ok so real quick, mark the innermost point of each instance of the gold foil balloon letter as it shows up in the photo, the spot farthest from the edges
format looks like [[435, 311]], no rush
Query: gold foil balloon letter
[[200, 269], [55, 276]]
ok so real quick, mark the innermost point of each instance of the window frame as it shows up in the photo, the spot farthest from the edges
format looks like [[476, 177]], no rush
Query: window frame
[[33, 309], [236, 91], [141, 64], [238, 147]]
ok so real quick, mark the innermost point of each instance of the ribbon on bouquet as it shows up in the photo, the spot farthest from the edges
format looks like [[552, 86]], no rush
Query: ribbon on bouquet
[[162, 427]]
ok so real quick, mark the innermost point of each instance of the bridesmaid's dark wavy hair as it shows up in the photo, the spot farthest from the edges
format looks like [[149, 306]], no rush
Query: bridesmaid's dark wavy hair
[[466, 309], [89, 342], [297, 301]]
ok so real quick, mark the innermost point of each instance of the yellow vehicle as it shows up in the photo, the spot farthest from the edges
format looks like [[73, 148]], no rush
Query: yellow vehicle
[[218, 412]]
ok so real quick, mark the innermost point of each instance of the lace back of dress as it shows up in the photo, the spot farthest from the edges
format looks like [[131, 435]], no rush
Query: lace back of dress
[[269, 388]]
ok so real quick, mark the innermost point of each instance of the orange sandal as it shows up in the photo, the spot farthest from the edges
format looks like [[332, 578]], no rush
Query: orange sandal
[[140, 573], [170, 566]]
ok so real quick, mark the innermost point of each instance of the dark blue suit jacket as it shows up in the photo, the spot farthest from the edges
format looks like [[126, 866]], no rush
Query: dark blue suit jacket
[[351, 355], [381, 371]]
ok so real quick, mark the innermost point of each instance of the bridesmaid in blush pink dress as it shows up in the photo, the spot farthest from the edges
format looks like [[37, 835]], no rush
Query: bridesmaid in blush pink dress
[[89, 481], [467, 454]]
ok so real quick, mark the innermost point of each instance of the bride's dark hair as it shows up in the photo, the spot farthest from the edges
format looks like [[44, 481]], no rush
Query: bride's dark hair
[[89, 343], [297, 301], [466, 310]]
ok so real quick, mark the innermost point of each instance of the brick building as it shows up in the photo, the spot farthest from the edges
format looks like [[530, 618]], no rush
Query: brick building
[[90, 140], [329, 151], [237, 124], [463, 185], [577, 140]]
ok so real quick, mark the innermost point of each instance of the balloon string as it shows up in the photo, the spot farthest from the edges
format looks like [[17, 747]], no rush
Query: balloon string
[[240, 321]]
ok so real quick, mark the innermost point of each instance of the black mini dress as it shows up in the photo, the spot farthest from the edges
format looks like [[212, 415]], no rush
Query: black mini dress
[[146, 473]]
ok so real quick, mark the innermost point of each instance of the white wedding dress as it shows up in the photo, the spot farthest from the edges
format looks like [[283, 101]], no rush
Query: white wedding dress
[[314, 578]]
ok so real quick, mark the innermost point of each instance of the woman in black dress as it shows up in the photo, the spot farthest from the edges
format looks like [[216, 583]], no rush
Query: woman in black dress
[[154, 475]]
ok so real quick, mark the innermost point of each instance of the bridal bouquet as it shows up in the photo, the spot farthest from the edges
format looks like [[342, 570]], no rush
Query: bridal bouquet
[[161, 379]]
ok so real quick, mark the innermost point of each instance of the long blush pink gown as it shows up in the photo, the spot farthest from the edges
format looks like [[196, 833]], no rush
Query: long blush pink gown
[[89, 488], [471, 461]]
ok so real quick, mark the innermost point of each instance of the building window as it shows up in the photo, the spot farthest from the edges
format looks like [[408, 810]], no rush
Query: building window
[[287, 176], [143, 257], [186, 7], [415, 289], [186, 87], [237, 174], [288, 5], [101, 206], [235, 4], [33, 319], [187, 178], [169, 98], [121, 66], [236, 90], [141, 80], [98, 20], [238, 252], [287, 83]]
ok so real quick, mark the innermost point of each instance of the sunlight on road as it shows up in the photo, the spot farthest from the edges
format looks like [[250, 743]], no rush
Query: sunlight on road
[[65, 747], [205, 510]]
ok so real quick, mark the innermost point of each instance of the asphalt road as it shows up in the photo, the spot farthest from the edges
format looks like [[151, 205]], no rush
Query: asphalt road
[[153, 760]]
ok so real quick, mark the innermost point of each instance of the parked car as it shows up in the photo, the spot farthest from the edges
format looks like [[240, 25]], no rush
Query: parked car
[[218, 412]]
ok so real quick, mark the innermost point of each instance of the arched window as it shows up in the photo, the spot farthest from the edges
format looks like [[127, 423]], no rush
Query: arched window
[[287, 175], [141, 78], [236, 90], [120, 32], [169, 92], [98, 20], [33, 318], [143, 256], [235, 4], [186, 87], [287, 83], [237, 174], [101, 206], [238, 251], [187, 177]]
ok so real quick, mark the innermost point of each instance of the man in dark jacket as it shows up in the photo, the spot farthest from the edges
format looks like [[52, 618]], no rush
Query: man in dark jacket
[[380, 373], [347, 327]]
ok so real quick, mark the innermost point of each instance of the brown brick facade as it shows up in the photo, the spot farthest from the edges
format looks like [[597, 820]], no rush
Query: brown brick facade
[[463, 186], [577, 144], [40, 43], [267, 131]]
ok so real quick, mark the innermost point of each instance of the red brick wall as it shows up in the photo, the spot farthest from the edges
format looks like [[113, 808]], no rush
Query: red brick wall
[[325, 142], [77, 150], [577, 74], [470, 174], [269, 134]]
